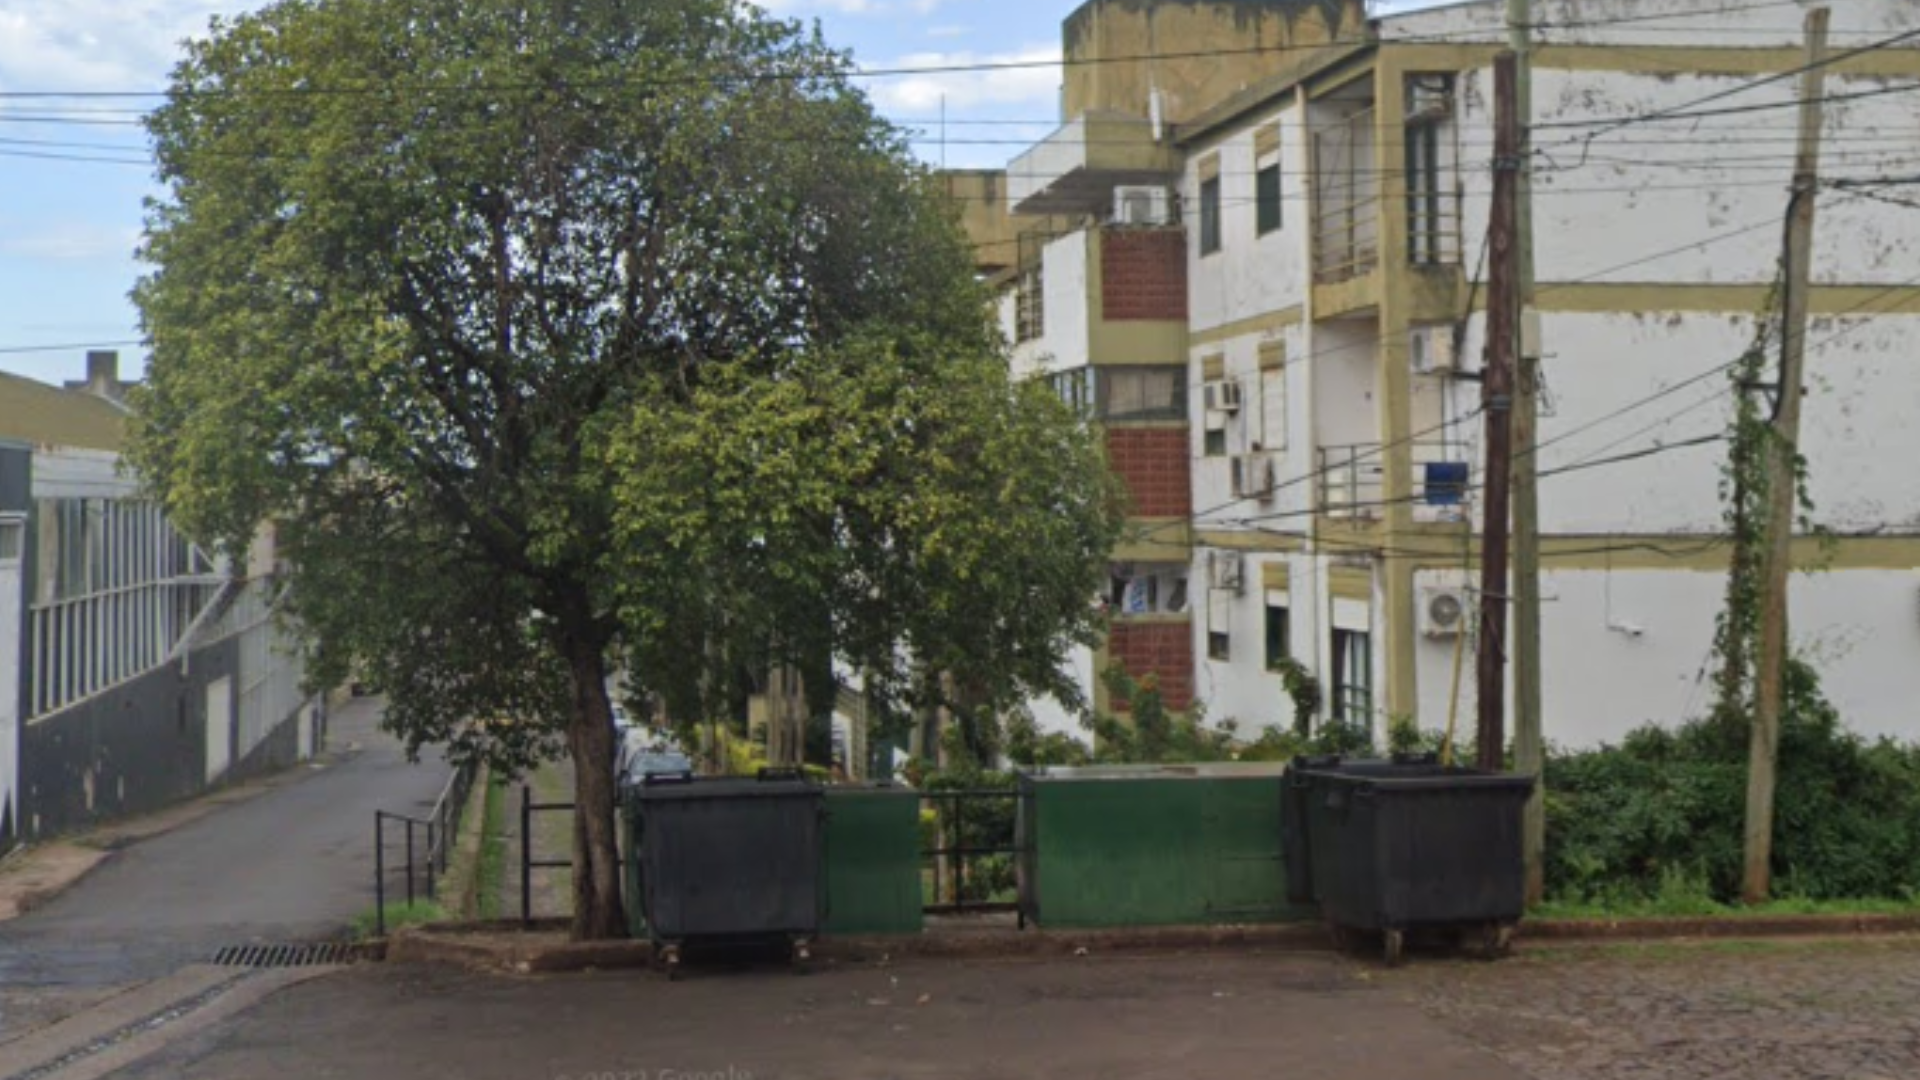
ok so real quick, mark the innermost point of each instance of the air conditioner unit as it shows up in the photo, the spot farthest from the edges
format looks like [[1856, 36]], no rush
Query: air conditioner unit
[[1253, 476], [1222, 396], [1432, 349], [1141, 205], [1443, 611], [1224, 570]]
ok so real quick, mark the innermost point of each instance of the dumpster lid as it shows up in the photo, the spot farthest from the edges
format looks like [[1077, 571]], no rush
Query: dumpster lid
[[659, 787], [1199, 770]]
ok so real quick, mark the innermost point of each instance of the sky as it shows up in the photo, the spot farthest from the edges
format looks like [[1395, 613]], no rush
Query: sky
[[69, 228]]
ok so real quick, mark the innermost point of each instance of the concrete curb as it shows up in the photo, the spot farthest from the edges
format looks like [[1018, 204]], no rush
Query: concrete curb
[[1726, 926], [503, 946]]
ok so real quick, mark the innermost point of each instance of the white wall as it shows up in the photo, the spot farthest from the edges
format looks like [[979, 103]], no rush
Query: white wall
[[1050, 716], [1267, 412], [1251, 274], [1627, 648], [1063, 343]]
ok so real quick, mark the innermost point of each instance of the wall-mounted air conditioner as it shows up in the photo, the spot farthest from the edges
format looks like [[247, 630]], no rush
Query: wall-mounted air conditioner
[[1222, 396], [1431, 349], [1443, 611], [1141, 205], [1253, 476]]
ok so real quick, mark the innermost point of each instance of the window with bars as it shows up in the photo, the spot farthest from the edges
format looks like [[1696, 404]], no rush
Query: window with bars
[[114, 588], [1030, 306]]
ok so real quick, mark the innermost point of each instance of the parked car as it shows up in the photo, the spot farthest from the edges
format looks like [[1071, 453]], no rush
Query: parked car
[[643, 752]]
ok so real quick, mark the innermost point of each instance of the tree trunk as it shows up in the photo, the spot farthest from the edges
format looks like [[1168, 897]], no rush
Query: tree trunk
[[597, 913]]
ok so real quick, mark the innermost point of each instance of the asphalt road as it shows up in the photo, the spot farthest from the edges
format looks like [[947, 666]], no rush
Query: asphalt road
[[1304, 1017], [293, 864]]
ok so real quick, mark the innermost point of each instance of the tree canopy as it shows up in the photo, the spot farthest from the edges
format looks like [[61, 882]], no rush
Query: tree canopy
[[564, 337]]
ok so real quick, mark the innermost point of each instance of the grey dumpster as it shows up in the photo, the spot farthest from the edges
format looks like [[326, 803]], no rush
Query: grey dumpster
[[728, 859]]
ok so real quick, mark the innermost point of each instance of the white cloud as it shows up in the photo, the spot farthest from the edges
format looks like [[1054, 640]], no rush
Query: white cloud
[[99, 44], [926, 7], [842, 7], [1031, 89], [71, 241]]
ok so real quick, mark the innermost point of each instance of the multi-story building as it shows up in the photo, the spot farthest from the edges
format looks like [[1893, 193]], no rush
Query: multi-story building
[[1326, 185], [135, 668]]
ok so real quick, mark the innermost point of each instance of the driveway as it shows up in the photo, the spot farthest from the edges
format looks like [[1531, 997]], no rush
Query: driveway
[[293, 864]]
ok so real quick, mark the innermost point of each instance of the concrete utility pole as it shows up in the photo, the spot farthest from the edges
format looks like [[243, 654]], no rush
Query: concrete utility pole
[[1529, 735], [1496, 395], [1770, 681]]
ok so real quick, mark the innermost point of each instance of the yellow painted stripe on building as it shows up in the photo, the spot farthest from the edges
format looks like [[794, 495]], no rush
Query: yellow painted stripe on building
[[1275, 575], [1350, 583], [1247, 540], [1273, 354], [1661, 59], [1635, 297], [1209, 167], [1213, 368], [1270, 322], [1266, 140]]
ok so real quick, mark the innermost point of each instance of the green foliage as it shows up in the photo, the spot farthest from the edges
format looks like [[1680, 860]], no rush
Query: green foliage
[[400, 914], [1303, 690], [1150, 732], [561, 337], [1027, 745], [1625, 822]]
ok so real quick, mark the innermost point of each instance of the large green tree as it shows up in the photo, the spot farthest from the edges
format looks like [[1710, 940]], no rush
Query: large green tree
[[564, 337]]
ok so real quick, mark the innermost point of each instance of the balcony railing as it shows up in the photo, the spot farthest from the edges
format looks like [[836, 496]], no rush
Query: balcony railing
[[1346, 197], [1352, 480]]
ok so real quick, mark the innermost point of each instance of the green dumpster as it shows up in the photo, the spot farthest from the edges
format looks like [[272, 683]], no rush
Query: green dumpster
[[1152, 845], [872, 853]]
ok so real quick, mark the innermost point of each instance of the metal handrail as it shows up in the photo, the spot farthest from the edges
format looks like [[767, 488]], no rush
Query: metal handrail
[[441, 825]]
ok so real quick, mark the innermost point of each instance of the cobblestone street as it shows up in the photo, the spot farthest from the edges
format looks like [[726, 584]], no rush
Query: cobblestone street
[[1827, 1010]]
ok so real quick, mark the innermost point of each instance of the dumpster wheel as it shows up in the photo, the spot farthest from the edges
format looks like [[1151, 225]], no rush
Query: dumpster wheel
[[669, 960], [1395, 946], [802, 955]]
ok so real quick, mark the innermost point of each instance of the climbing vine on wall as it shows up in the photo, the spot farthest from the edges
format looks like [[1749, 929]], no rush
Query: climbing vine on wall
[[1751, 441]]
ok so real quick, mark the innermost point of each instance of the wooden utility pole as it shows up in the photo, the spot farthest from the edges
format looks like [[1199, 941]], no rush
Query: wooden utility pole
[[1529, 733], [1770, 681], [1496, 395]]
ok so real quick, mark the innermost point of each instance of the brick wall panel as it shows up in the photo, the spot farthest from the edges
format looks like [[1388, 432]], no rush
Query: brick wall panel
[[1157, 469], [1143, 275]]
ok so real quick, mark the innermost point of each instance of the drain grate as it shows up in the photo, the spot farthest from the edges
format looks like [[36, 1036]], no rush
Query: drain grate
[[265, 956]]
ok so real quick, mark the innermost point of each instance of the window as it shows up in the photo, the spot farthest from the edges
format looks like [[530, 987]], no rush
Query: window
[[1214, 442], [1075, 388], [1429, 226], [1352, 676], [1278, 636], [1145, 393], [1219, 645], [1266, 199], [1030, 311], [1210, 216]]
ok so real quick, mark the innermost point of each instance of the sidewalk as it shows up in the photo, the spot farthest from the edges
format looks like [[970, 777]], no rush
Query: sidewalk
[[36, 874], [552, 840]]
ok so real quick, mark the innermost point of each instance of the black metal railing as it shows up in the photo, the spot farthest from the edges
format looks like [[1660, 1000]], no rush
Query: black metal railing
[[441, 827], [528, 864], [974, 857]]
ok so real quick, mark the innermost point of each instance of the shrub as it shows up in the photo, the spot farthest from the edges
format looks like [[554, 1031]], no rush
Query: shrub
[[1629, 821]]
